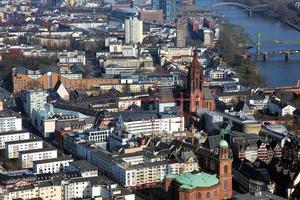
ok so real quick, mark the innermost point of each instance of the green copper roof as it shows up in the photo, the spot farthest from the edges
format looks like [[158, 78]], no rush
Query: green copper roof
[[191, 181], [223, 143]]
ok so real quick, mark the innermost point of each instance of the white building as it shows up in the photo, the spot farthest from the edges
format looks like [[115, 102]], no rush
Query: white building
[[54, 165], [133, 31], [259, 102], [33, 99], [150, 123], [217, 74], [85, 168], [277, 107], [126, 50], [71, 57], [13, 136], [27, 157], [13, 149], [136, 169], [97, 134], [116, 70], [9, 122], [45, 119]]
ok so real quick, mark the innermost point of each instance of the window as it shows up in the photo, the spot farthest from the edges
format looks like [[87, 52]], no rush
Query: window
[[225, 169], [199, 196], [207, 195]]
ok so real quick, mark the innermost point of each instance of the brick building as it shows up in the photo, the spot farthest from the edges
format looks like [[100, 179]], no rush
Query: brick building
[[47, 77], [151, 15], [200, 96], [200, 185]]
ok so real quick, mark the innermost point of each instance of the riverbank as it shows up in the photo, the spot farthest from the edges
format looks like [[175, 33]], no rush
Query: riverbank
[[280, 10], [232, 36]]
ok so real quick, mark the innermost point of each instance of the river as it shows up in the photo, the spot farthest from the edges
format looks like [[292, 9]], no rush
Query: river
[[275, 70]]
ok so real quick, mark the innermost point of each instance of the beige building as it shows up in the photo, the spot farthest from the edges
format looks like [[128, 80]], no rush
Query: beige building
[[1, 105], [45, 190]]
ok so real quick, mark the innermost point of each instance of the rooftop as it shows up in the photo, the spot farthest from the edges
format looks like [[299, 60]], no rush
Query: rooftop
[[190, 180]]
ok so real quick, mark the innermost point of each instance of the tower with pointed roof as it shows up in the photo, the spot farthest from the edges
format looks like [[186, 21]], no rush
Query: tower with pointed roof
[[198, 95]]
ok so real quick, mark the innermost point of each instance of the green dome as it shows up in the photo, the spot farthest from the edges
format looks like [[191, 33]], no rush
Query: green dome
[[190, 180], [223, 143]]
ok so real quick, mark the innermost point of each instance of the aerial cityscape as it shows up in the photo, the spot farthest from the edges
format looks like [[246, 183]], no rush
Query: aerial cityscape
[[149, 99]]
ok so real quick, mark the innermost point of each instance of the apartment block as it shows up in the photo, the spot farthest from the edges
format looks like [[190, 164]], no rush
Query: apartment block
[[13, 136], [12, 149], [54, 165], [27, 157], [9, 122], [33, 99]]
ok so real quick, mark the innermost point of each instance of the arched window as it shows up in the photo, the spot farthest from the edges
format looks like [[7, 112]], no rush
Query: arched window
[[226, 169], [207, 195], [199, 196]]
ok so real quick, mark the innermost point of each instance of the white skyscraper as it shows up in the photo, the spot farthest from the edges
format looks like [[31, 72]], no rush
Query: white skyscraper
[[133, 31]]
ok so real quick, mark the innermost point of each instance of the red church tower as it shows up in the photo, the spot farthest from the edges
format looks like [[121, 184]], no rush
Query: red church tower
[[195, 88], [225, 171]]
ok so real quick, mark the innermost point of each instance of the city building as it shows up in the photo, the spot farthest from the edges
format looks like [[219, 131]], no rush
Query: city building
[[97, 134], [151, 15], [28, 157], [54, 165], [277, 107], [169, 9], [13, 136], [9, 122], [137, 170], [133, 31], [47, 77], [181, 33], [148, 123], [47, 119], [71, 58], [13, 149], [85, 168], [33, 99], [1, 105]]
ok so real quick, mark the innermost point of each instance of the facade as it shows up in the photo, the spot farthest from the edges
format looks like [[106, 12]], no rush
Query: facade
[[181, 34], [151, 15], [150, 123], [46, 190], [27, 157], [59, 188], [48, 118], [115, 70], [169, 9], [97, 135], [13, 136], [33, 99], [71, 58], [129, 62], [47, 79], [13, 149], [133, 31], [138, 170], [51, 165], [9, 122], [196, 92]]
